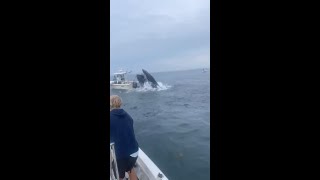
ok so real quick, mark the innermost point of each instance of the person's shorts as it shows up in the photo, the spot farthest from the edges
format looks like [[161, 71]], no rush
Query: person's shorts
[[125, 165]]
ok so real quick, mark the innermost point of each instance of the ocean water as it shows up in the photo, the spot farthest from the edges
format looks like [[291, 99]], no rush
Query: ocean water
[[172, 123]]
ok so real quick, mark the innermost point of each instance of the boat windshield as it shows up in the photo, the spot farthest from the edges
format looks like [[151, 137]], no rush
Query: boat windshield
[[119, 77]]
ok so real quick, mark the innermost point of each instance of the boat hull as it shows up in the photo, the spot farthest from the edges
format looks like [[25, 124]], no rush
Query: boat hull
[[122, 86], [146, 169]]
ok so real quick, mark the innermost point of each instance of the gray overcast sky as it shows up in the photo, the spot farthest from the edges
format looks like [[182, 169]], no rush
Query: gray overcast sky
[[159, 35]]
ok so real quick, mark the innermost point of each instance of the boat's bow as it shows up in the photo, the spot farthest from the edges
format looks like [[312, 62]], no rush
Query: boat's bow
[[144, 168]]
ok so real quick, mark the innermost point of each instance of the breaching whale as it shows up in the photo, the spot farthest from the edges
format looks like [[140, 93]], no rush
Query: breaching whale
[[147, 77]]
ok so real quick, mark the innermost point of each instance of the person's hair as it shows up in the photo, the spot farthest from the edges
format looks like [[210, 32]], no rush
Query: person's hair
[[115, 102]]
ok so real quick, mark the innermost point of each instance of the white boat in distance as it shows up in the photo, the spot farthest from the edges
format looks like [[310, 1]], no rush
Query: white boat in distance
[[204, 70], [120, 81], [144, 168]]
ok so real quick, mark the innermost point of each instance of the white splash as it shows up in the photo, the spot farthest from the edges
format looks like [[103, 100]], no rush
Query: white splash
[[147, 87]]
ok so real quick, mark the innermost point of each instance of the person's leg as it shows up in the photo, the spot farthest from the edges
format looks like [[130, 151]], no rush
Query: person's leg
[[122, 167], [132, 174], [130, 168]]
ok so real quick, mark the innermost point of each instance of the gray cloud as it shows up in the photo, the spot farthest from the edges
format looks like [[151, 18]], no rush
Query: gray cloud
[[159, 35]]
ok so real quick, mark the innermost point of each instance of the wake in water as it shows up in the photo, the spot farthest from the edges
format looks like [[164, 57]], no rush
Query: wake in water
[[148, 87]]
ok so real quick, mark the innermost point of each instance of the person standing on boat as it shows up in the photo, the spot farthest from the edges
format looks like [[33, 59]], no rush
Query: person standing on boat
[[122, 135]]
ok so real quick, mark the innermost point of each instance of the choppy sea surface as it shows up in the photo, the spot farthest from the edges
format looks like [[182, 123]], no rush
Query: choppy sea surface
[[172, 123]]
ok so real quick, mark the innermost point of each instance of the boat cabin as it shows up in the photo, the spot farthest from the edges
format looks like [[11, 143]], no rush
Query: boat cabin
[[119, 78]]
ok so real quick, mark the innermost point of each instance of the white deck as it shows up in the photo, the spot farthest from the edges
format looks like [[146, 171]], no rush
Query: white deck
[[146, 169]]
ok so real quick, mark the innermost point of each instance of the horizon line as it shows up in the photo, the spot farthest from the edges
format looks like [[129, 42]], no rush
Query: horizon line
[[177, 70]]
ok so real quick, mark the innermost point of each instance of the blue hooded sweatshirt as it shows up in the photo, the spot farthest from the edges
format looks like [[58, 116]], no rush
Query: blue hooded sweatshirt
[[122, 133]]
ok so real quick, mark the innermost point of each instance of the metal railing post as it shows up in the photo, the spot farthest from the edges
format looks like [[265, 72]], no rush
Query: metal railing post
[[114, 160]]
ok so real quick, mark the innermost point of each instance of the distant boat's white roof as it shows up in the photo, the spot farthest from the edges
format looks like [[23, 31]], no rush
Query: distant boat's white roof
[[119, 73]]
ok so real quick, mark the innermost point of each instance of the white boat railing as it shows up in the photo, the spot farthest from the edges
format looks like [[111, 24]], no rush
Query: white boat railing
[[149, 168], [145, 167], [114, 173]]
